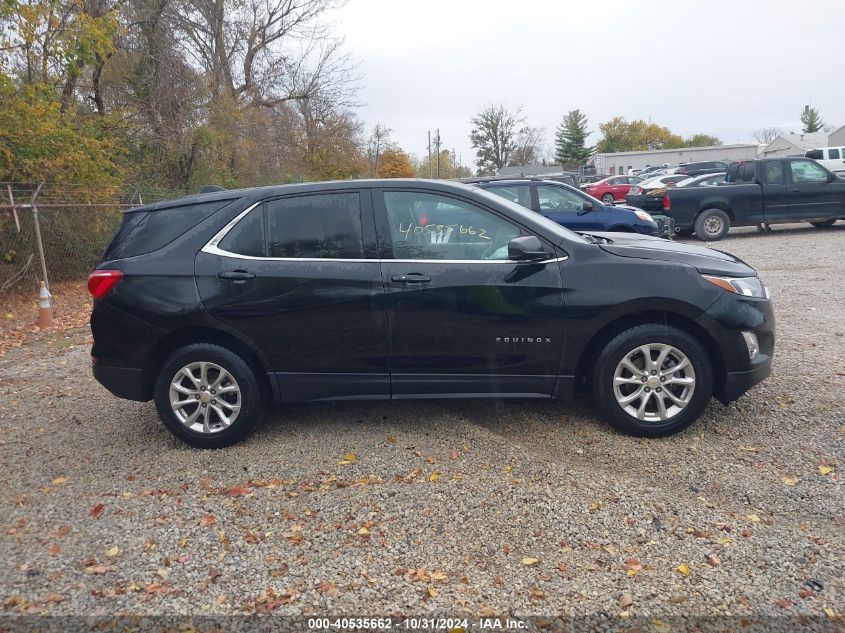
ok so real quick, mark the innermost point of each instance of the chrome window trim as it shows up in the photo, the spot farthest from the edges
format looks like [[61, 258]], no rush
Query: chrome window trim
[[212, 248]]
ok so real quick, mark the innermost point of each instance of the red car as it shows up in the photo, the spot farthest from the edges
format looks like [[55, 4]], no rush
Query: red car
[[612, 189]]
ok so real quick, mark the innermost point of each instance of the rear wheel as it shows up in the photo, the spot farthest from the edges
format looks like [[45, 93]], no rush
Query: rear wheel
[[208, 396], [712, 225], [652, 380], [824, 224], [608, 198]]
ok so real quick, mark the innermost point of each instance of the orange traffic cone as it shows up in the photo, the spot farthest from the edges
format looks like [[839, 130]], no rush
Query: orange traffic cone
[[45, 308]]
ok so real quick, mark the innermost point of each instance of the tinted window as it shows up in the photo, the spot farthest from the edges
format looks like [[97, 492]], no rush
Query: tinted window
[[247, 236], [521, 194], [833, 153], [431, 226], [147, 231], [807, 171], [319, 226], [558, 199], [774, 173], [815, 154]]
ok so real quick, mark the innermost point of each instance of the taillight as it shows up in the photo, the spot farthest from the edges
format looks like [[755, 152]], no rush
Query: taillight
[[100, 282], [667, 203]]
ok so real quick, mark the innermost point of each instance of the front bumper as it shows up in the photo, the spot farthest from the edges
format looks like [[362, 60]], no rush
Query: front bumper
[[738, 382]]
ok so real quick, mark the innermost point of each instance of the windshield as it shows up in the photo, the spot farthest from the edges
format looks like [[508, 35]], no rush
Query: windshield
[[518, 210]]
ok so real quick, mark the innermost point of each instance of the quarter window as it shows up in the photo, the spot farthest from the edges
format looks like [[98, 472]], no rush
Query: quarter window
[[805, 171], [323, 226], [247, 236], [431, 226], [521, 194]]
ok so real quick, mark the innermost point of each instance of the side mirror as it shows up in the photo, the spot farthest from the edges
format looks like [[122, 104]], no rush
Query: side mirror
[[527, 248], [586, 207]]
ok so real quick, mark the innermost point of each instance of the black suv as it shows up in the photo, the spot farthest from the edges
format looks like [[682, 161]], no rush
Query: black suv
[[217, 304]]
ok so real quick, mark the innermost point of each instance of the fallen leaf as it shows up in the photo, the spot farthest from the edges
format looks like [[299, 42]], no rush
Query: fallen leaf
[[508, 468], [432, 592], [595, 506], [528, 561], [434, 476], [97, 510], [825, 470], [164, 572], [829, 612], [684, 569], [238, 490], [753, 518], [714, 560], [789, 480], [60, 480], [207, 520], [453, 454], [54, 550], [349, 458], [54, 598], [626, 601], [363, 532], [660, 626], [113, 552]]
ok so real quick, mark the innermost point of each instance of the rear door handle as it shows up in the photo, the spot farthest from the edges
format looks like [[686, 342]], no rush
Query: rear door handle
[[411, 278], [236, 275]]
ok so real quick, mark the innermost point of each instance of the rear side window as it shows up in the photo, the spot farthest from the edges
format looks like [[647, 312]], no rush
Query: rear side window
[[143, 232], [521, 194], [324, 226], [774, 173]]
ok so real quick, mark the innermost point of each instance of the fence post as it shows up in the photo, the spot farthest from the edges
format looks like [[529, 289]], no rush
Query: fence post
[[45, 307]]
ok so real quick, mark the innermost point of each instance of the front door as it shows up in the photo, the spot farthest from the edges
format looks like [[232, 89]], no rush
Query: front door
[[463, 319], [567, 209], [811, 195], [299, 277]]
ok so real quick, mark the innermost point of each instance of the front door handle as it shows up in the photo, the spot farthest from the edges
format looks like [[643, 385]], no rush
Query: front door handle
[[236, 275], [411, 278]]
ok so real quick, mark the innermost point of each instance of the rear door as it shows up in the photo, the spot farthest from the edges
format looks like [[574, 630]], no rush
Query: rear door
[[812, 195], [772, 181], [299, 277], [463, 319]]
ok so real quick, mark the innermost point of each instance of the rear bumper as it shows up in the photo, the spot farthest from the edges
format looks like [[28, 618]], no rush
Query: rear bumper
[[124, 382], [738, 382]]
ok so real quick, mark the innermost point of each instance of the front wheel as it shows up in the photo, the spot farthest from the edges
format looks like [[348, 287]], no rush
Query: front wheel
[[652, 380], [208, 396], [824, 224], [712, 225]]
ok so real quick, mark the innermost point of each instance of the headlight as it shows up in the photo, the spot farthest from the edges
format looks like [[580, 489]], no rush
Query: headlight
[[642, 215], [746, 286]]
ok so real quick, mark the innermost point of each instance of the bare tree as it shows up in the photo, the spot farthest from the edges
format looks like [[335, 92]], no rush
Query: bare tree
[[379, 140], [765, 135], [530, 146], [493, 136]]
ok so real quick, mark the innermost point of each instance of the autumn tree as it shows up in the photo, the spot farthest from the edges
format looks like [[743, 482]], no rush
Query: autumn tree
[[571, 139], [494, 137], [449, 167], [619, 135], [395, 164], [812, 120], [702, 140]]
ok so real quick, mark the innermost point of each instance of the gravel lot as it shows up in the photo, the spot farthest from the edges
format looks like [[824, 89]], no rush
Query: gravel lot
[[444, 508]]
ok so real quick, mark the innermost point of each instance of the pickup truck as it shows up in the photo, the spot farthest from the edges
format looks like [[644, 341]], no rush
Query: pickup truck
[[770, 191]]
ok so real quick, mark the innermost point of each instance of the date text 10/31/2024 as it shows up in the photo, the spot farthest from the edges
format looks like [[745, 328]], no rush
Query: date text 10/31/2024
[[452, 625]]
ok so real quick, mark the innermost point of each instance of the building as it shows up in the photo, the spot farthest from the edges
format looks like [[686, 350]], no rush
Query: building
[[622, 162], [837, 138], [535, 171], [795, 144]]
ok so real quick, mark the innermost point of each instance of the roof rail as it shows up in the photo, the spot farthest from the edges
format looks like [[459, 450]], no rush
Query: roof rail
[[211, 188]]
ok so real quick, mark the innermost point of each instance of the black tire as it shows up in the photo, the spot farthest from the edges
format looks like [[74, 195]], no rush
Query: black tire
[[624, 343], [608, 199], [824, 224], [253, 398], [712, 225]]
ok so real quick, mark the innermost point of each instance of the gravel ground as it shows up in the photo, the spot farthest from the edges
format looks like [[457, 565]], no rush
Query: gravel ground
[[451, 508]]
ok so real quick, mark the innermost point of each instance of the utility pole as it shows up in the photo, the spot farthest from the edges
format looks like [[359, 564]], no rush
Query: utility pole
[[454, 164], [429, 153], [437, 147]]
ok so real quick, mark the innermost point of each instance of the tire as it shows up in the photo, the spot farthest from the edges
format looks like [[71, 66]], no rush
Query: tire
[[712, 225], [627, 345], [243, 402], [608, 199], [824, 224]]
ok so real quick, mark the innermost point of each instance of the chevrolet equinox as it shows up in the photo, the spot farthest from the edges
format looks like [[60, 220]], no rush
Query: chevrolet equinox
[[218, 304]]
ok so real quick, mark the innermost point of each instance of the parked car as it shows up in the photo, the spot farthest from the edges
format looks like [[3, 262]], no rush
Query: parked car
[[613, 188], [571, 207], [703, 167], [832, 158], [769, 191], [216, 305], [649, 195]]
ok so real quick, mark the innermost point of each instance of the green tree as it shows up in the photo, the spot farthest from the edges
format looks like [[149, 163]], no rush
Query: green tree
[[494, 137], [811, 119], [619, 135], [702, 140], [571, 139]]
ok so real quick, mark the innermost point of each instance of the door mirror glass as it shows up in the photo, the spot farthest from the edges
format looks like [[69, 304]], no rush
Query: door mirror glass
[[528, 248], [586, 207]]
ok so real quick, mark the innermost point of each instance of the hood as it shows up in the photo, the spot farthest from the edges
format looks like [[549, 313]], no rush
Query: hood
[[706, 260]]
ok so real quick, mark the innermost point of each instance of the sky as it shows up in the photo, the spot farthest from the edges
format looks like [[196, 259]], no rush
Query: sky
[[719, 67]]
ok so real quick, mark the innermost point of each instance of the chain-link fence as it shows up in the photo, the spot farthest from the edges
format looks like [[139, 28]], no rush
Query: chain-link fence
[[76, 224]]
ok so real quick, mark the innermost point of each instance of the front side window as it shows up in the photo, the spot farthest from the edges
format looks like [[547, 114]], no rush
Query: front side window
[[833, 154], [806, 171], [521, 194], [432, 226], [558, 199], [322, 226]]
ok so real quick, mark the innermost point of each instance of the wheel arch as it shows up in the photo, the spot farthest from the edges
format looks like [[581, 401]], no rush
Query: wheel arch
[[200, 334], [721, 205], [590, 353]]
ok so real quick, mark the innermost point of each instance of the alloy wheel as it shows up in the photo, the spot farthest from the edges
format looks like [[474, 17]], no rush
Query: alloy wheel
[[205, 397], [654, 382]]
